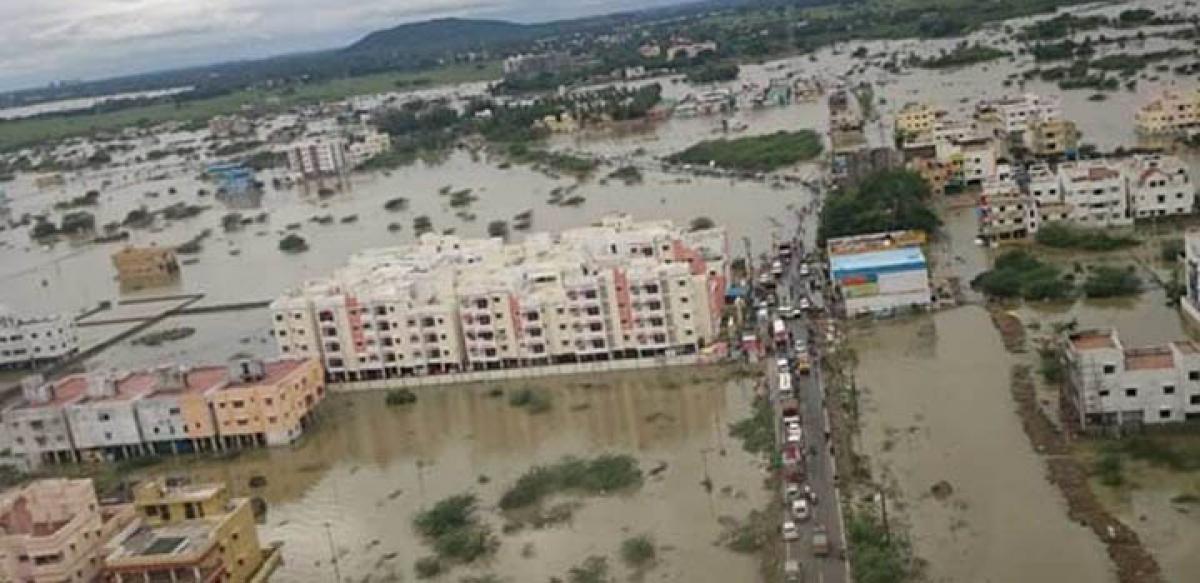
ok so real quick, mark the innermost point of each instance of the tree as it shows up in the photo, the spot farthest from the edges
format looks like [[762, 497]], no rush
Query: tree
[[888, 200]]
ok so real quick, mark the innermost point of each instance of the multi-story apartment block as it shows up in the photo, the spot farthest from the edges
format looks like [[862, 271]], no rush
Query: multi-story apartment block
[[53, 530], [1007, 214], [29, 341], [973, 161], [1111, 385], [103, 416], [1043, 184], [195, 533], [144, 267], [1051, 137], [1014, 113], [1190, 303], [1097, 193], [917, 119], [320, 157], [1170, 112], [619, 289], [1159, 185], [366, 145]]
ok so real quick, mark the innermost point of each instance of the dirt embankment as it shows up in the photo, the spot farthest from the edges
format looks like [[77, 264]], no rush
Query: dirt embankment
[[1134, 563]]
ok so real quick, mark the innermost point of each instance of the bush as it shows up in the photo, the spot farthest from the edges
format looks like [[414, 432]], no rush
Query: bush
[[884, 201], [638, 551], [593, 570], [754, 153], [530, 400], [400, 397], [454, 530], [879, 556], [427, 567], [1109, 470], [1170, 250], [1063, 236], [1107, 282], [598, 476], [293, 243], [1019, 274], [1051, 367], [757, 431], [450, 514], [701, 224]]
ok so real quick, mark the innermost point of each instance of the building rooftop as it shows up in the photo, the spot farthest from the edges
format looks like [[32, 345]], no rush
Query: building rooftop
[[275, 371], [164, 542], [1093, 339], [1150, 358], [892, 258]]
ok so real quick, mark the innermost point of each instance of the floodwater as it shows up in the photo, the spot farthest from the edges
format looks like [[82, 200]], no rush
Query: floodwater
[[936, 407], [69, 105], [1169, 528], [367, 468]]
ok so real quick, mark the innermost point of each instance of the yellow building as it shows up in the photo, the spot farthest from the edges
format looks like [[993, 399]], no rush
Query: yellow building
[[1170, 112], [187, 533], [917, 119], [268, 403], [142, 267], [1053, 137]]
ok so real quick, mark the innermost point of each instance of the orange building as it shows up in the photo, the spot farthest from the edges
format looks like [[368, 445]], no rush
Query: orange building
[[267, 403]]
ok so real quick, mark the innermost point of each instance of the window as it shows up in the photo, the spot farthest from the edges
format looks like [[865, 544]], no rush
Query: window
[[1130, 392], [1164, 413], [1110, 369], [1168, 390], [1194, 400], [1194, 375], [1103, 392]]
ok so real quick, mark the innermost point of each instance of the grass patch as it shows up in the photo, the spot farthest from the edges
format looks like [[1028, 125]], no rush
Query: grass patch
[[397, 397], [1063, 236], [1051, 367], [754, 153], [757, 431], [598, 476], [1174, 454], [533, 401], [1017, 274], [593, 569], [1109, 469], [453, 529], [878, 557], [1106, 281]]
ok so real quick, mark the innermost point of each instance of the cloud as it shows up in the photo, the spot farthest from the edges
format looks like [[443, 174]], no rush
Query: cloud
[[64, 39]]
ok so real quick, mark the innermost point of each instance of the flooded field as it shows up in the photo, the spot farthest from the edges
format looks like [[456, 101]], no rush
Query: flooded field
[[936, 408], [367, 468]]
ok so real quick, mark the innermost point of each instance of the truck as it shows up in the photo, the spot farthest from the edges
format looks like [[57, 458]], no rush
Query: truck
[[780, 332], [820, 541]]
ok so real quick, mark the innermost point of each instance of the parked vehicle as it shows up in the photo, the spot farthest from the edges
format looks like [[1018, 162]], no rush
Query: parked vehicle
[[820, 541], [791, 572], [800, 347], [790, 531], [785, 382], [780, 332], [777, 268], [803, 363], [792, 454], [792, 491], [809, 494], [800, 509], [791, 410], [804, 271]]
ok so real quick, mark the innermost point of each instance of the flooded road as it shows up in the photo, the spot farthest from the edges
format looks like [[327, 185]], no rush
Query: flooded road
[[1166, 525], [368, 468], [936, 407]]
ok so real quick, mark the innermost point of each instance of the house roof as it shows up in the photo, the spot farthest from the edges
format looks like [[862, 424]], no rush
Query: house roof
[[905, 257]]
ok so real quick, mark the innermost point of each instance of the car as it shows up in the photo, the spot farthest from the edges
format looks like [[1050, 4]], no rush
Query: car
[[791, 571], [792, 427], [782, 363], [809, 494], [792, 491], [804, 271], [794, 438], [805, 304], [800, 509], [790, 531], [786, 311], [820, 541], [800, 347]]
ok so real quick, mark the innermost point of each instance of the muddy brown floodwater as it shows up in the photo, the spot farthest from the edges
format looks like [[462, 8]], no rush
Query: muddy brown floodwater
[[936, 407], [369, 467]]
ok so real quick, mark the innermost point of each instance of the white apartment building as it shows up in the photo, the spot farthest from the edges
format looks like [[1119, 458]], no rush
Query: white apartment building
[[1097, 193], [1015, 113], [1190, 303], [1159, 185], [28, 341], [618, 289], [973, 161], [1111, 385], [321, 157], [1043, 184]]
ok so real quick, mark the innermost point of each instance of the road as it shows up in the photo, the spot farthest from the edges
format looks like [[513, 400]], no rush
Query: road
[[818, 463]]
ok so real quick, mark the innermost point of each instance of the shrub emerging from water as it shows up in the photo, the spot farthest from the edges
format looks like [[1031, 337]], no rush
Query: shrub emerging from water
[[1017, 274], [757, 431], [400, 397], [755, 153], [594, 569], [598, 476], [427, 567], [879, 556], [531, 400], [1109, 469], [454, 530], [638, 551], [1109, 282]]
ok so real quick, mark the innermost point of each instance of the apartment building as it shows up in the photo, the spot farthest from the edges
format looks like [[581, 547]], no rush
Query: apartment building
[[105, 416], [1097, 193], [366, 145], [53, 530], [1051, 137], [618, 289], [186, 533], [917, 119], [1171, 112], [1015, 113], [1190, 303], [971, 161], [145, 267], [1007, 214], [1159, 185], [1111, 385], [317, 157], [28, 341]]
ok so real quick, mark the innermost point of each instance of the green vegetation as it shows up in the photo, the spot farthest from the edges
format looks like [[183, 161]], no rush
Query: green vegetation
[[601, 475], [594, 569], [757, 431], [701, 224], [1106, 281], [1064, 236], [1017, 274], [879, 556], [556, 161], [961, 56], [1061, 26], [455, 531], [1051, 367], [533, 401], [639, 551], [749, 535], [90, 198], [428, 567], [630, 175], [400, 397], [1133, 63], [884, 201], [293, 243], [1170, 250], [1109, 469], [755, 153], [713, 73], [1179, 453]]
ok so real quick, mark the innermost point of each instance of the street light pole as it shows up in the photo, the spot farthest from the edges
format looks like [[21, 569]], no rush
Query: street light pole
[[337, 570]]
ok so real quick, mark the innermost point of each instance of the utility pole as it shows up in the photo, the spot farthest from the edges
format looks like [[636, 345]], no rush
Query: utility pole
[[337, 570], [887, 531]]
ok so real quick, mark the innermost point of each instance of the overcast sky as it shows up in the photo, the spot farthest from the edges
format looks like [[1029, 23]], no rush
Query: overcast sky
[[47, 40]]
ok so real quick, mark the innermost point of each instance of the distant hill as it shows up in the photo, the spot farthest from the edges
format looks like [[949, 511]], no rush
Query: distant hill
[[444, 35]]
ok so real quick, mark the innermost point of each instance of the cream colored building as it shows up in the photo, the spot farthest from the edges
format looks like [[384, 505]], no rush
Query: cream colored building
[[1159, 186], [1171, 112], [619, 289], [1052, 137], [917, 119]]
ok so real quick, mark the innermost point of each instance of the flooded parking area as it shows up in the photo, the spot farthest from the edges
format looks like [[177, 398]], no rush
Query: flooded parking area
[[942, 435], [355, 482]]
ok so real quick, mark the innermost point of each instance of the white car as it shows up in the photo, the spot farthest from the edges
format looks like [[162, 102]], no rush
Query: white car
[[801, 347], [800, 509], [782, 363], [794, 437], [787, 311], [792, 427], [790, 531], [804, 269], [810, 494], [805, 304]]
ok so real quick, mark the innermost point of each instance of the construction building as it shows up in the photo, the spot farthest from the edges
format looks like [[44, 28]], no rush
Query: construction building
[[145, 267]]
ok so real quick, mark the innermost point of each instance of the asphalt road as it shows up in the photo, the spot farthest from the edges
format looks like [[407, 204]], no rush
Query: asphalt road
[[817, 463]]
